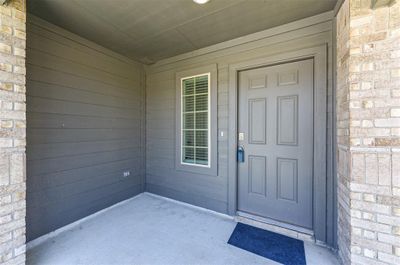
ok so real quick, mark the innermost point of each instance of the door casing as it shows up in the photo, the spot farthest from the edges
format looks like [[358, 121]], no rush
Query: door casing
[[319, 56]]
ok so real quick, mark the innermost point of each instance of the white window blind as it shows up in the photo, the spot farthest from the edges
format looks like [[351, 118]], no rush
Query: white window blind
[[195, 125]]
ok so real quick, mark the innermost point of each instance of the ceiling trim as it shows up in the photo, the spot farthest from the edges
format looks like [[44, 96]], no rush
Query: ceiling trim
[[302, 23], [338, 5]]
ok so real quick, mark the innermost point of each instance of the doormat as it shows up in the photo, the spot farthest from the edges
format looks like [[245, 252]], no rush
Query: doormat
[[280, 248]]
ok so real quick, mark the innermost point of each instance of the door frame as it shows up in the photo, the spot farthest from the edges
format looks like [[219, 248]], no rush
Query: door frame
[[319, 56]]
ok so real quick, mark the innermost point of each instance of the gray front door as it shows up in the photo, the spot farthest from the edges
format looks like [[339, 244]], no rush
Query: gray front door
[[276, 133]]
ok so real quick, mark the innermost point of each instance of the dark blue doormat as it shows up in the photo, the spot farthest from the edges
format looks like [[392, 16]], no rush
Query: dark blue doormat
[[280, 248]]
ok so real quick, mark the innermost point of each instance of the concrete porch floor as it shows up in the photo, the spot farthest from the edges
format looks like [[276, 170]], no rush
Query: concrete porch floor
[[153, 230]]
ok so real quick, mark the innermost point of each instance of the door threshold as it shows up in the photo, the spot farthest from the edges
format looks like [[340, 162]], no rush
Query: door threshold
[[289, 230]]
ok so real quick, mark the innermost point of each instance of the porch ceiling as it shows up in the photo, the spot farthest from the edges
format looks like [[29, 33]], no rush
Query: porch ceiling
[[150, 30]]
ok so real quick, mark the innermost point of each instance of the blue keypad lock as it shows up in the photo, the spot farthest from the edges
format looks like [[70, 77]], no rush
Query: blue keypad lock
[[240, 154]]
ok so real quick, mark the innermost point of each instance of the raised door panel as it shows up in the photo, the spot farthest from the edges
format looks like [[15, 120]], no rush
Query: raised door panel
[[257, 121], [287, 129], [257, 175], [287, 179]]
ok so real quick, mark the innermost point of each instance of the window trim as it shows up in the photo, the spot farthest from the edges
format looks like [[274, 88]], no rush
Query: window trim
[[212, 168], [208, 74]]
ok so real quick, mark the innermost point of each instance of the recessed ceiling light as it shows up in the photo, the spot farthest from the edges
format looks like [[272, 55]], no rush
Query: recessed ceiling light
[[201, 2]]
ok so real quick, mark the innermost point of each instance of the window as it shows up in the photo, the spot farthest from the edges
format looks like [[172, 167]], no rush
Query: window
[[195, 120], [196, 128]]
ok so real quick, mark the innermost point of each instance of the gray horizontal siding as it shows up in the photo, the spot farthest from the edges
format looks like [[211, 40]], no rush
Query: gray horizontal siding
[[50, 217], [85, 123], [210, 191], [188, 197], [161, 175]]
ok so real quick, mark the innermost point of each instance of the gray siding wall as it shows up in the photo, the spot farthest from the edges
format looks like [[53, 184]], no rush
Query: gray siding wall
[[212, 191], [85, 127]]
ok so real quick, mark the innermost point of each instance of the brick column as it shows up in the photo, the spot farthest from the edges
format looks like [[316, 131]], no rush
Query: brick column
[[12, 132], [368, 131]]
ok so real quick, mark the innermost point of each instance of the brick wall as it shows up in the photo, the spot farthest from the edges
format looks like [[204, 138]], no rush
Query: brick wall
[[368, 129], [12, 132]]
